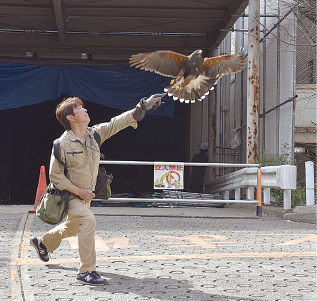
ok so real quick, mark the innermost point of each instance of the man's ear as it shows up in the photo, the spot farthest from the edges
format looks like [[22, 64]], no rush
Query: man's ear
[[70, 117]]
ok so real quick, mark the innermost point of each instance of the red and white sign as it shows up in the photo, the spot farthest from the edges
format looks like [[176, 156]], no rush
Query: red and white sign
[[169, 176]]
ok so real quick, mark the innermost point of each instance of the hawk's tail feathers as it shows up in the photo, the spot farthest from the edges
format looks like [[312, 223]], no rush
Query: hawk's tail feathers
[[192, 92]]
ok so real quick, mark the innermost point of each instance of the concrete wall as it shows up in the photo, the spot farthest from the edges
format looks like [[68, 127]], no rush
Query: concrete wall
[[306, 106], [306, 114], [278, 83], [199, 124]]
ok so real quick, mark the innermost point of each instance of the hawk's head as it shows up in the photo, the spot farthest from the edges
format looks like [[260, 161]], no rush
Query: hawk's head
[[197, 52]]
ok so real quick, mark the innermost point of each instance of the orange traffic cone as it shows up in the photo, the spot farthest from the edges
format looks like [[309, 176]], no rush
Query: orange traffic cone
[[40, 187]]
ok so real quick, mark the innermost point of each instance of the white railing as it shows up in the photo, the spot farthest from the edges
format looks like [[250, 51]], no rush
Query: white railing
[[175, 163], [279, 177], [199, 199]]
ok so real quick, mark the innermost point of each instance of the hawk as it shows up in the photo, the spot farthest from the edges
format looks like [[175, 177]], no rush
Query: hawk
[[193, 75]]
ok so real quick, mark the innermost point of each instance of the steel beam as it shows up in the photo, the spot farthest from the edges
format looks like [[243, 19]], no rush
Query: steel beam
[[176, 13], [77, 42], [236, 8], [59, 21]]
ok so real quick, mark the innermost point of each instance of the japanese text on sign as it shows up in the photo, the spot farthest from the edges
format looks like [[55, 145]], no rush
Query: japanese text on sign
[[168, 176]]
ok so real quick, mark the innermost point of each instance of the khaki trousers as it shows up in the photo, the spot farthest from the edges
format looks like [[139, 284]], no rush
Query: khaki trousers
[[81, 221]]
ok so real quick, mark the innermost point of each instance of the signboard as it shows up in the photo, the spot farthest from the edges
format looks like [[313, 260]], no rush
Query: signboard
[[169, 176]]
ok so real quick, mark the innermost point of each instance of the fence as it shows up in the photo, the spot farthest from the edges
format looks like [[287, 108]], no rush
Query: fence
[[201, 199]]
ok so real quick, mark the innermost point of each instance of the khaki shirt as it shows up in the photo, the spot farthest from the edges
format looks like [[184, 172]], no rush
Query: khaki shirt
[[82, 161]]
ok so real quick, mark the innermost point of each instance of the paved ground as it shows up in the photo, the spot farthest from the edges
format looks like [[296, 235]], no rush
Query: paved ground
[[166, 254]]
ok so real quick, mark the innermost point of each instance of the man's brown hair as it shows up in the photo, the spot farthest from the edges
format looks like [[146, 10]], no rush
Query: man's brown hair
[[66, 107]]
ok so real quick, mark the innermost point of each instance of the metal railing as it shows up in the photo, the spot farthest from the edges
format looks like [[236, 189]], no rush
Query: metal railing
[[199, 198], [277, 177]]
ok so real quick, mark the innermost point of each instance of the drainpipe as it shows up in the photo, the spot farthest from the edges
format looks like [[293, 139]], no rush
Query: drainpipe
[[264, 80], [253, 80], [294, 88], [242, 123]]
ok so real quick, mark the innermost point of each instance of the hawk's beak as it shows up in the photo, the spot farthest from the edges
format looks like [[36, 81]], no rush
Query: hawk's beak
[[200, 51]]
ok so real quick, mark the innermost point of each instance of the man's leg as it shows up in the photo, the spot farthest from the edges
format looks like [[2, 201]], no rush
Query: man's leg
[[86, 240], [50, 241], [86, 243], [53, 238], [80, 221], [193, 182], [200, 183]]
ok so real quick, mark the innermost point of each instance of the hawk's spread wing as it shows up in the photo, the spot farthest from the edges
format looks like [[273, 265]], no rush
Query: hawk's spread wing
[[167, 63], [215, 67]]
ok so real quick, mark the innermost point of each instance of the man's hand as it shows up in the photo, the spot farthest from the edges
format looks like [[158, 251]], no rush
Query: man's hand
[[146, 104], [153, 101], [86, 195]]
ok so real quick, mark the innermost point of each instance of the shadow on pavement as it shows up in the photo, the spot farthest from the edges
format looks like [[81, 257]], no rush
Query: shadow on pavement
[[162, 288]]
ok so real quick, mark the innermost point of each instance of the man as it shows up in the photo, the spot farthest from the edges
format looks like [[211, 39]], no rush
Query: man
[[81, 154], [198, 172]]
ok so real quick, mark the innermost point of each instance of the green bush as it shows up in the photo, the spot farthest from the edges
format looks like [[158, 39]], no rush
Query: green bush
[[284, 158], [299, 194]]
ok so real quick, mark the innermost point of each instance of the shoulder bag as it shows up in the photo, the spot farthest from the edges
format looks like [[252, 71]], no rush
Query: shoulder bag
[[52, 207]]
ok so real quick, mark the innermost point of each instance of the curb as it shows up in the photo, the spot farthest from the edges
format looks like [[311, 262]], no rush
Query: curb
[[270, 210], [303, 214], [306, 214], [301, 217]]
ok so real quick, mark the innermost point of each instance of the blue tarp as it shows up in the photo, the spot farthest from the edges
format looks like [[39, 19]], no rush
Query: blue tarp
[[119, 87]]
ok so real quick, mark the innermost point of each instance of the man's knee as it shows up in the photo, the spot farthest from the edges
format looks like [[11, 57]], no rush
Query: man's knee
[[90, 219], [93, 220]]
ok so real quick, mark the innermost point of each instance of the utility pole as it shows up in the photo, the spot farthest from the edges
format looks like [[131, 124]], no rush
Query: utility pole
[[253, 81]]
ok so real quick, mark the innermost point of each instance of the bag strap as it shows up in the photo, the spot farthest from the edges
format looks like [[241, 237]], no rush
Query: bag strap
[[57, 152], [57, 148], [96, 135]]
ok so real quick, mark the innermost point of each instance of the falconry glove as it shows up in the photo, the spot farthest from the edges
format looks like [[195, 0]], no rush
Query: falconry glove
[[146, 104]]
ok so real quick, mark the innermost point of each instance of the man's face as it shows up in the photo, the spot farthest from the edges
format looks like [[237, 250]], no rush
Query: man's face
[[81, 115]]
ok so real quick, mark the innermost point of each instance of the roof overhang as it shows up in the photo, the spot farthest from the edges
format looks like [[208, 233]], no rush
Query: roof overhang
[[111, 30]]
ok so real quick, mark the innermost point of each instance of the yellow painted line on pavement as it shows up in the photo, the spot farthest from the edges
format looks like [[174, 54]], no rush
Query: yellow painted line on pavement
[[28, 261], [20, 249], [283, 234]]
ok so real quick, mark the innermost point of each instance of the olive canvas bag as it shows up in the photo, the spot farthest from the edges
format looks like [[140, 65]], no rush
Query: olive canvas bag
[[52, 207]]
